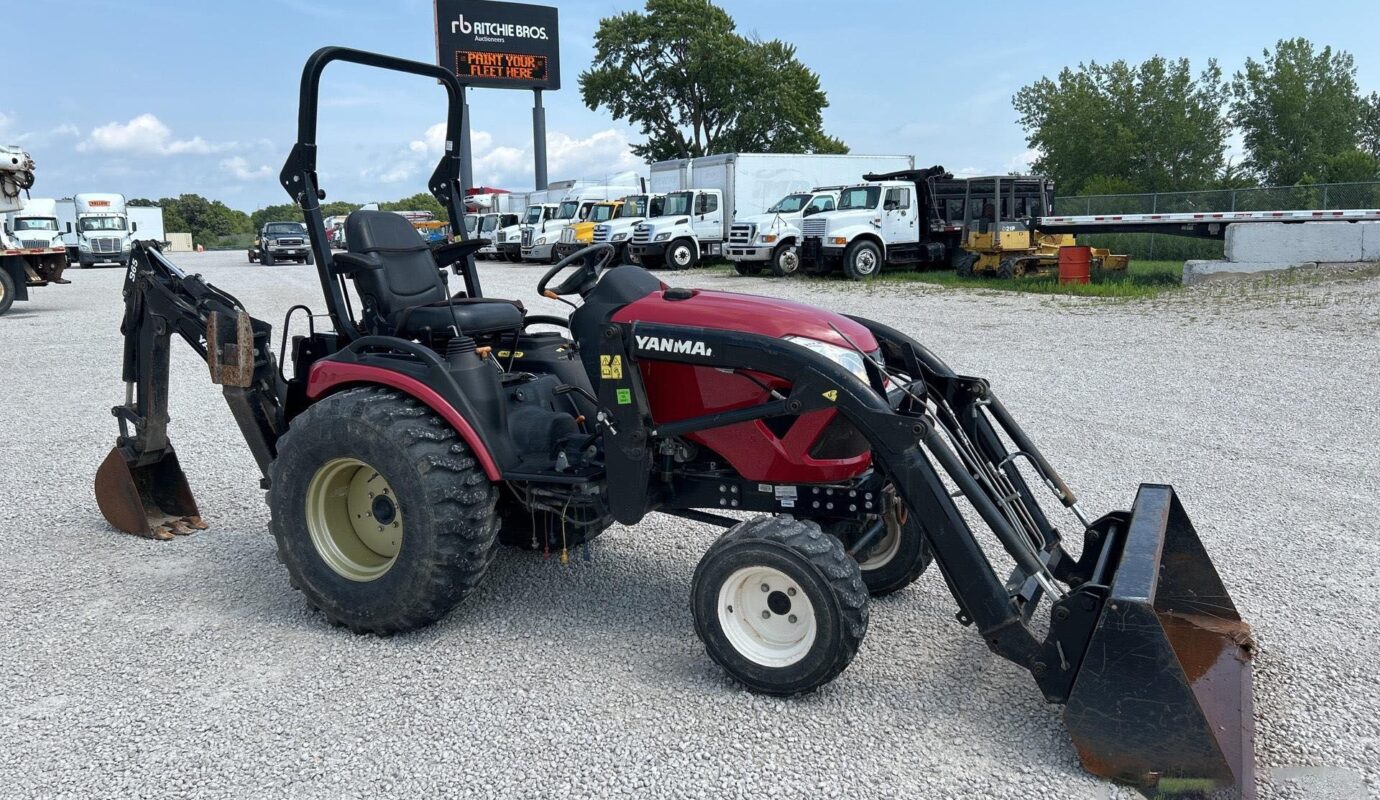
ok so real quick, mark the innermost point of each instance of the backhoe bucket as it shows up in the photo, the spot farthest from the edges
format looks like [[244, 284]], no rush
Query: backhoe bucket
[[152, 500], [1162, 699]]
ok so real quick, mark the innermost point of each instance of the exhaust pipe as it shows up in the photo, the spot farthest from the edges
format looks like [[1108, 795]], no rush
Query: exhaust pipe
[[151, 499], [1162, 699]]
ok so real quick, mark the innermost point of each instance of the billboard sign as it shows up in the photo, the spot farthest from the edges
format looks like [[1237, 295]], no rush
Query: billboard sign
[[493, 45]]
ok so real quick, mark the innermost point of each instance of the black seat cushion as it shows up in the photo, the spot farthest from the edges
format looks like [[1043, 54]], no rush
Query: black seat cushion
[[407, 296], [476, 316]]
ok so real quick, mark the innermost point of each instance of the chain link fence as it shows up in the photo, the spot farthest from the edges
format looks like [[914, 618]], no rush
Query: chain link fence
[[1314, 197]]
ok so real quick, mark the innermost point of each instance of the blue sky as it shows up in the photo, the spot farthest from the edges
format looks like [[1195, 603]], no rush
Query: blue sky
[[161, 97]]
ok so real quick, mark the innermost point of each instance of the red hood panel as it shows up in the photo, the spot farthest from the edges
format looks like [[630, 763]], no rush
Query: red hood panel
[[767, 316]]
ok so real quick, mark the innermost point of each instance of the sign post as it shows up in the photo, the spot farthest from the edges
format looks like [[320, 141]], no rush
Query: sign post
[[497, 45]]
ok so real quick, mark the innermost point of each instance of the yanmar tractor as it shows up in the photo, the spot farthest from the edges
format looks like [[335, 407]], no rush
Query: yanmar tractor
[[401, 447]]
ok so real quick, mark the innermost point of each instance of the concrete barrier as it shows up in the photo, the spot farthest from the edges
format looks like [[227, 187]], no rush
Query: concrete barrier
[[1293, 243], [1370, 240], [1202, 271]]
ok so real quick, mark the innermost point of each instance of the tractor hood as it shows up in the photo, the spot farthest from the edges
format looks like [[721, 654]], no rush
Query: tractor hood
[[767, 316]]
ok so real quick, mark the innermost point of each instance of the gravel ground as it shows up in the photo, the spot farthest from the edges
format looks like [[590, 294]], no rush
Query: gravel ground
[[145, 669]]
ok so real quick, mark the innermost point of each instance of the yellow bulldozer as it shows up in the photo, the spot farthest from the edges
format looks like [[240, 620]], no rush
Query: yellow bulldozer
[[999, 231]]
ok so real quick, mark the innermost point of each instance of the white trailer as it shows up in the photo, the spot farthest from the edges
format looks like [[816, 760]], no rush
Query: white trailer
[[147, 223]]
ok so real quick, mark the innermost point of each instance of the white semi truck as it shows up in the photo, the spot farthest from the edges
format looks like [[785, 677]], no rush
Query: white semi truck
[[103, 233], [739, 186]]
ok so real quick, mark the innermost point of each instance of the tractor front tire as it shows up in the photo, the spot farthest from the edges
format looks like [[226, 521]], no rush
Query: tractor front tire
[[862, 261], [779, 605], [6, 291], [964, 264], [382, 515]]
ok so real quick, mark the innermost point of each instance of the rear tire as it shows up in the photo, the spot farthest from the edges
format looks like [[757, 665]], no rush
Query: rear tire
[[6, 291], [681, 254], [862, 261], [803, 629], [1006, 270], [895, 560], [252, 259], [785, 261], [747, 268], [431, 502]]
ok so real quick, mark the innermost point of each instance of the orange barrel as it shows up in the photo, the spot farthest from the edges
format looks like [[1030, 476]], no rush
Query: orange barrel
[[1075, 264]]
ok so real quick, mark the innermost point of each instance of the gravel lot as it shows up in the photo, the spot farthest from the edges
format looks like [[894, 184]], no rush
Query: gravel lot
[[145, 669]]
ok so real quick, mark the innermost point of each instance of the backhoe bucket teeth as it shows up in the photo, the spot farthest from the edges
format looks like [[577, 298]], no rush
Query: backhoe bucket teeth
[[152, 500], [1162, 699]]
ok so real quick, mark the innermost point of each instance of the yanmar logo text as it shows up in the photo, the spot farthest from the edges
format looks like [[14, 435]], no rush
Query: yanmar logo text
[[497, 31], [661, 344]]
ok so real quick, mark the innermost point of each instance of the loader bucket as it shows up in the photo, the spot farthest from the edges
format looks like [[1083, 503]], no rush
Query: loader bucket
[[1162, 699], [152, 500]]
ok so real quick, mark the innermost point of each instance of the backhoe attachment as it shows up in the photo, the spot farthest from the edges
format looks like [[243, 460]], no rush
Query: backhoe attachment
[[140, 487]]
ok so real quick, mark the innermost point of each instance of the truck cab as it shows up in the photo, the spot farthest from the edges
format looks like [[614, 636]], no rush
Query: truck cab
[[770, 239], [103, 232], [691, 226], [36, 225], [535, 222], [581, 234], [619, 230], [492, 227], [887, 221]]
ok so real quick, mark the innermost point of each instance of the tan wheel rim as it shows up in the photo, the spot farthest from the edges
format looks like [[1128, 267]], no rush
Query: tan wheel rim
[[354, 520], [885, 548]]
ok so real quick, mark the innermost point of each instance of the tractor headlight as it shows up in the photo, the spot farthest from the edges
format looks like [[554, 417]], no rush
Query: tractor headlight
[[661, 237], [849, 359]]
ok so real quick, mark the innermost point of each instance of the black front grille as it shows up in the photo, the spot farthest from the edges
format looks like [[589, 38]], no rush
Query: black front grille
[[811, 249]]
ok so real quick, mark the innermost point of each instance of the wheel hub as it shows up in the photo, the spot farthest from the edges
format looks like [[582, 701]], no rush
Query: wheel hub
[[682, 255], [865, 262], [790, 262], [766, 616], [353, 518]]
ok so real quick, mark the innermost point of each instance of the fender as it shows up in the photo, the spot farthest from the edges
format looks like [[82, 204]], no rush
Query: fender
[[328, 377]]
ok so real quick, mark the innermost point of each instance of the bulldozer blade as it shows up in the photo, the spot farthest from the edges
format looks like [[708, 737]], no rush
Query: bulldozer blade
[[152, 500], [1162, 699]]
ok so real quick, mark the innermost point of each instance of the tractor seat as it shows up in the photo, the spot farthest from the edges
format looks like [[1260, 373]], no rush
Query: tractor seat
[[401, 287]]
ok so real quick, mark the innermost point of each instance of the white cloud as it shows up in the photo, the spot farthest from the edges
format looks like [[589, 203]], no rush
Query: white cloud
[[1021, 161], [238, 166], [148, 135], [66, 129], [599, 155]]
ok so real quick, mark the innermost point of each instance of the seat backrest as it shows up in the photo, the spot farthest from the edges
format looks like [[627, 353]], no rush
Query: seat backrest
[[409, 277]]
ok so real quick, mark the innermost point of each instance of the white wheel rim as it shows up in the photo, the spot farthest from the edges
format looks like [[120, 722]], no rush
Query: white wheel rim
[[789, 261], [773, 627], [682, 255], [865, 262]]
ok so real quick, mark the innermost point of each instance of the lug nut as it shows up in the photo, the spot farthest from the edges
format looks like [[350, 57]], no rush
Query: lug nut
[[791, 592], [766, 588], [791, 619], [766, 615]]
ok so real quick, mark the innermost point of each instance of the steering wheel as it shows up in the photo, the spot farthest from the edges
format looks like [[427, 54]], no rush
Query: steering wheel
[[593, 260]]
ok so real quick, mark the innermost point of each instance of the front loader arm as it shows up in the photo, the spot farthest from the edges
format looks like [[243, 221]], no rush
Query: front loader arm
[[141, 488]]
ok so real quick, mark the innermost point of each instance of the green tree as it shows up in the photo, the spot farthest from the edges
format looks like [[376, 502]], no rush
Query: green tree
[[1152, 126], [420, 201], [208, 221], [695, 86], [1299, 111]]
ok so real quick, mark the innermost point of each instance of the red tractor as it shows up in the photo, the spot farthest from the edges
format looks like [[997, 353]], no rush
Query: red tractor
[[402, 446]]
